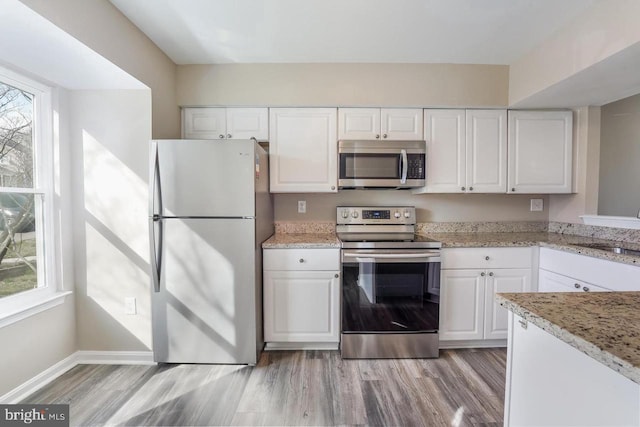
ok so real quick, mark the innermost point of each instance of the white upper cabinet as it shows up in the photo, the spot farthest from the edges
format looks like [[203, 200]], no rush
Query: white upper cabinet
[[225, 123], [486, 146], [303, 150], [444, 131], [540, 151], [466, 151], [375, 123]]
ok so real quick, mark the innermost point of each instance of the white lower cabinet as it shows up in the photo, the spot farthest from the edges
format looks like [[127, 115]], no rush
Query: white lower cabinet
[[301, 298], [470, 279], [554, 282], [551, 383]]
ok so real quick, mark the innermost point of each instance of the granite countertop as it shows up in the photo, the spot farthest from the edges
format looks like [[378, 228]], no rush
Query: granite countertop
[[302, 241], [603, 325], [563, 242]]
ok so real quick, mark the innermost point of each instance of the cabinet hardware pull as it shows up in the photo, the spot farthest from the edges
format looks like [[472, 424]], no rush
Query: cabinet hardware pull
[[229, 136], [487, 257], [482, 274], [586, 289], [523, 323], [221, 136], [336, 275], [470, 188], [333, 187], [301, 260], [377, 136], [463, 188], [576, 285], [513, 189], [491, 274]]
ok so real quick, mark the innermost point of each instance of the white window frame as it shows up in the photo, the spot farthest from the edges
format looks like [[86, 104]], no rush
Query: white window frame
[[19, 306]]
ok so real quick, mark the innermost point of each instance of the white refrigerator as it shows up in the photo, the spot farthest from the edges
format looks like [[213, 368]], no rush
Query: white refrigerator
[[209, 212]]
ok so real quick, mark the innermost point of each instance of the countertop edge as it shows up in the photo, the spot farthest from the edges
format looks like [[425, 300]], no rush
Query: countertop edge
[[610, 360]]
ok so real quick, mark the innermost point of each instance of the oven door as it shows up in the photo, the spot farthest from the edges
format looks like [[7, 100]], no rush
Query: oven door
[[390, 291]]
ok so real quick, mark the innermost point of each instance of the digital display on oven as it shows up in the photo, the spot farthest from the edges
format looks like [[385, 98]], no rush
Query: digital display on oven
[[379, 214]]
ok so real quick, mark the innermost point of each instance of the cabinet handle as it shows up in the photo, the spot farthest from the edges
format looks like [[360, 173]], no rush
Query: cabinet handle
[[576, 285], [482, 274], [333, 187], [384, 135], [463, 188], [228, 136], [586, 289], [301, 260], [487, 257], [221, 136], [336, 275], [377, 136], [513, 189], [523, 323], [491, 274], [470, 188]]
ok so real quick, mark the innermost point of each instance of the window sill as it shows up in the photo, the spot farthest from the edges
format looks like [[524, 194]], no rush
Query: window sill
[[34, 308]]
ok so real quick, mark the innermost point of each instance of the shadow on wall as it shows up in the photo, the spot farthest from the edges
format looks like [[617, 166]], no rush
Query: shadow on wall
[[110, 133]]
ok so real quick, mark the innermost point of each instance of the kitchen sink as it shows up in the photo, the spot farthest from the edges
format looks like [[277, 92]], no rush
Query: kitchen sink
[[609, 248]]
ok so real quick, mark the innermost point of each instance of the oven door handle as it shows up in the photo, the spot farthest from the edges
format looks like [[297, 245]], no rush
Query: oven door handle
[[388, 257]]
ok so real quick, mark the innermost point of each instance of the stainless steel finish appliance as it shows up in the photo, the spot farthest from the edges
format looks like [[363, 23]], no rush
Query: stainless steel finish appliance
[[210, 210], [381, 164], [390, 284]]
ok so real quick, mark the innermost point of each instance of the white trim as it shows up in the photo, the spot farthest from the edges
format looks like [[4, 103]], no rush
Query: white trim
[[629, 222], [37, 306], [78, 358], [301, 346], [115, 358], [43, 378], [446, 345]]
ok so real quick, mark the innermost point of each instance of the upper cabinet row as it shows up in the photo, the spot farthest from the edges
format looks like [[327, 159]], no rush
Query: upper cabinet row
[[468, 151]]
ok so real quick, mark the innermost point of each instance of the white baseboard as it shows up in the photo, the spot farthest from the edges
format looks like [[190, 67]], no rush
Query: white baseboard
[[115, 358], [447, 345], [78, 358]]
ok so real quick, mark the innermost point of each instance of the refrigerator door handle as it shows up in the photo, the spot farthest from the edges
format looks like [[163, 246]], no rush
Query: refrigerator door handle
[[156, 256]]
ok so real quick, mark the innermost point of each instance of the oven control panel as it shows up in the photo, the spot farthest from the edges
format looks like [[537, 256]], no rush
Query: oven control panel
[[404, 215]]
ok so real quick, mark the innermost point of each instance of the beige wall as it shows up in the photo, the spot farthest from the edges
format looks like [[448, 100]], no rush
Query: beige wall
[[603, 30], [620, 158], [99, 25], [430, 207], [109, 185], [401, 85], [586, 158]]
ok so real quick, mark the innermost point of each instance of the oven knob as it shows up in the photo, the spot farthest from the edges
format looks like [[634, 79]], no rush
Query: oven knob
[[354, 214], [345, 214], [407, 214], [396, 214]]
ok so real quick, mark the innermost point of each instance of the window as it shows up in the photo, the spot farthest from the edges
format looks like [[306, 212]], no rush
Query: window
[[26, 195]]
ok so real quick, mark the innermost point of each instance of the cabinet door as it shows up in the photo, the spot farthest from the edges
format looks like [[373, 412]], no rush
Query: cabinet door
[[549, 281], [446, 162], [496, 320], [204, 123], [303, 150], [247, 123], [461, 305], [358, 123], [540, 150], [301, 306], [401, 124], [486, 154]]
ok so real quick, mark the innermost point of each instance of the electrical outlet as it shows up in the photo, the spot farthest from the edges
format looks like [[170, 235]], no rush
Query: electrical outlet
[[302, 206], [130, 305], [537, 205]]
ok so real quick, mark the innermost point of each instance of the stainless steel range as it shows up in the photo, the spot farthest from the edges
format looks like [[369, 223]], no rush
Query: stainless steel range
[[390, 284]]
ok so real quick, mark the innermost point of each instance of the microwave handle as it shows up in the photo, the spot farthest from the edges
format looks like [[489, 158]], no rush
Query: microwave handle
[[404, 166]]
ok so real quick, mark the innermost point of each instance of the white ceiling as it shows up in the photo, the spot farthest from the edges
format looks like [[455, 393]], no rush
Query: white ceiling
[[369, 31]]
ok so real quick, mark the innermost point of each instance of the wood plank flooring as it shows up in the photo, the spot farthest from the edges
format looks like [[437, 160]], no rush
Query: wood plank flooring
[[461, 388]]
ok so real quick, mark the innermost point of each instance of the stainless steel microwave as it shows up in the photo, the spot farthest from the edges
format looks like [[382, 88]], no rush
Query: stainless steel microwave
[[381, 164]]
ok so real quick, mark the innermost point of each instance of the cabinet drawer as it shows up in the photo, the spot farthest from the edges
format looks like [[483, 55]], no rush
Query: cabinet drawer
[[301, 259], [453, 258]]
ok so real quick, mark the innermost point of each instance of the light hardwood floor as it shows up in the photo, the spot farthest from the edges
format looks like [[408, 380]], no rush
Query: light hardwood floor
[[462, 387]]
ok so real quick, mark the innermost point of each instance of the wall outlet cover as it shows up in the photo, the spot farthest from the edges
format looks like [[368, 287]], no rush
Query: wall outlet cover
[[130, 305], [537, 205], [302, 206]]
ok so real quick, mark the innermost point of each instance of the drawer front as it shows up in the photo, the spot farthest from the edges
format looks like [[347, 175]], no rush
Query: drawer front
[[301, 259], [454, 258]]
